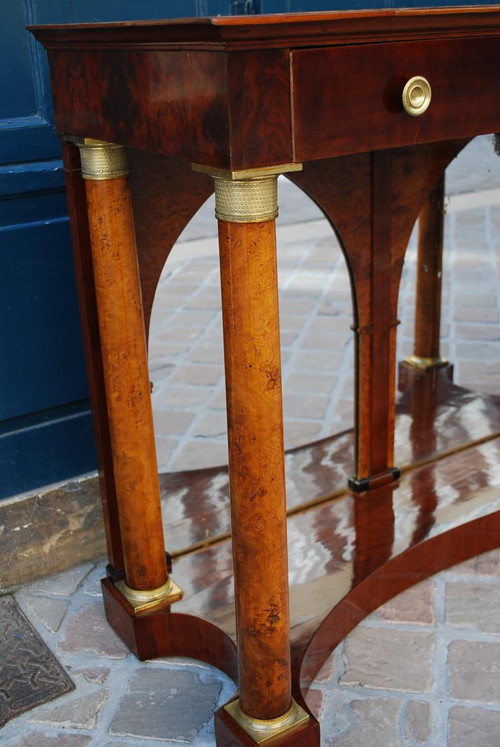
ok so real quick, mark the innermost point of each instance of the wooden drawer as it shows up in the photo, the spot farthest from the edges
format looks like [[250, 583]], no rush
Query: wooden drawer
[[349, 99]]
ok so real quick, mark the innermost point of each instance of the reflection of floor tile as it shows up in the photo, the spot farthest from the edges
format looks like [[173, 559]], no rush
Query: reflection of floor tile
[[29, 673]]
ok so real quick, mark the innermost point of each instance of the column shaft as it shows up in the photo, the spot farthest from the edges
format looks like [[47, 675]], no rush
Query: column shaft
[[256, 464], [124, 356]]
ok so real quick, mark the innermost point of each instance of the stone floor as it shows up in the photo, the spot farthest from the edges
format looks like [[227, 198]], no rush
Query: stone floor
[[422, 670]]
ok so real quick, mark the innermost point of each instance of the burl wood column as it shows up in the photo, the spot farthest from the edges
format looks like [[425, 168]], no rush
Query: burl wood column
[[246, 209], [426, 358], [124, 359]]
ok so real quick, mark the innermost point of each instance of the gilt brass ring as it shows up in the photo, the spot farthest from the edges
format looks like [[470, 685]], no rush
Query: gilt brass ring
[[417, 96]]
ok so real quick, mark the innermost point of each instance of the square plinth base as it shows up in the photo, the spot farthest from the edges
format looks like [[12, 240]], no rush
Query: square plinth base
[[229, 733]]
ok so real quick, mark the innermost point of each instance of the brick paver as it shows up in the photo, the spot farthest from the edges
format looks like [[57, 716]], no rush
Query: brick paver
[[474, 726], [474, 670], [422, 670], [408, 668], [464, 600]]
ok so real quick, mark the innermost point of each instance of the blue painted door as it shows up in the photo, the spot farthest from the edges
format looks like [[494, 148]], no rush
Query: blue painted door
[[45, 428]]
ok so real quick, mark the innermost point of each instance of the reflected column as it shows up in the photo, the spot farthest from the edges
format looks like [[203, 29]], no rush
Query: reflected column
[[374, 528], [426, 357]]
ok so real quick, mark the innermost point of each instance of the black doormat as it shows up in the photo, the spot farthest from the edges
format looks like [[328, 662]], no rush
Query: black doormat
[[29, 672]]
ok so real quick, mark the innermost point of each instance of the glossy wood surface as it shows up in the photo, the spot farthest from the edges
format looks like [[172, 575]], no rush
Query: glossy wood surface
[[347, 79], [166, 194], [252, 361], [84, 274], [124, 359], [429, 275], [264, 31], [434, 419], [142, 86], [160, 634], [179, 104], [346, 548]]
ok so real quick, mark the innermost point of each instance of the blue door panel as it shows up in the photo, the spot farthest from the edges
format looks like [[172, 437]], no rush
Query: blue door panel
[[51, 447], [97, 11], [30, 179], [308, 6], [40, 318], [31, 209], [26, 133], [15, 65], [89, 11], [28, 139]]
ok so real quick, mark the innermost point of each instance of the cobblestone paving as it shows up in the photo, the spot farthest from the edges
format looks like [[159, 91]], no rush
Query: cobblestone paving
[[423, 669]]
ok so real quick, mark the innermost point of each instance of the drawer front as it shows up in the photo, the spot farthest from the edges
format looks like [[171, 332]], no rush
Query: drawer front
[[349, 99]]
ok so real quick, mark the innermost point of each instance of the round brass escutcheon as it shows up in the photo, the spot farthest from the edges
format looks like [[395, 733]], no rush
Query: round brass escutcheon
[[417, 96]]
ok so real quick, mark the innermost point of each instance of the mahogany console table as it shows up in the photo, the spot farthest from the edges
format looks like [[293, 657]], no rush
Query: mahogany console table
[[363, 111]]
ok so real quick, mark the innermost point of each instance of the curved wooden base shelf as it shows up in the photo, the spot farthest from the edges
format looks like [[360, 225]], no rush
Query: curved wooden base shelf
[[348, 554]]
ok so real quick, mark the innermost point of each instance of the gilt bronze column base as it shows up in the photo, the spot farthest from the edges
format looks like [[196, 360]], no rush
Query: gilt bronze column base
[[416, 367], [148, 599], [295, 728]]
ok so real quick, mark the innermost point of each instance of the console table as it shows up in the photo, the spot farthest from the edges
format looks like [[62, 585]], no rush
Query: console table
[[363, 111]]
